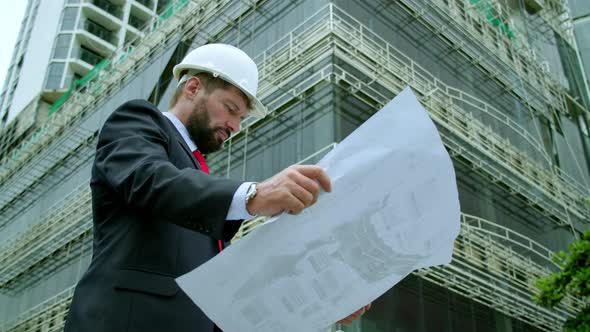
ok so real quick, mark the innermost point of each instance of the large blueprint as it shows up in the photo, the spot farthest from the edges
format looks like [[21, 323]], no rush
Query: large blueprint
[[394, 208]]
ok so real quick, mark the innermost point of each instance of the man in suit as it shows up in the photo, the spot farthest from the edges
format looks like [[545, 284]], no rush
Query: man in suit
[[157, 212]]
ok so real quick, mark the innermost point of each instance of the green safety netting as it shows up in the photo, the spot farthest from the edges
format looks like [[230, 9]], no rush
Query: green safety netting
[[83, 82], [496, 21], [90, 79]]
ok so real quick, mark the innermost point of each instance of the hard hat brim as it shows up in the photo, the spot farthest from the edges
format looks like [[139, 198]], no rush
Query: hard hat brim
[[258, 110]]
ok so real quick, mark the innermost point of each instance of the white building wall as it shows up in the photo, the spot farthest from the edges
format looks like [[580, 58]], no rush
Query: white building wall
[[39, 49]]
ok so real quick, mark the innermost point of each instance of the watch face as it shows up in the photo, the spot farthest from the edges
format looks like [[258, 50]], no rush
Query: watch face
[[251, 191]]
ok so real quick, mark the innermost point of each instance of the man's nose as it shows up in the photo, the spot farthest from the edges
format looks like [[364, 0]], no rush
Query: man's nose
[[234, 125]]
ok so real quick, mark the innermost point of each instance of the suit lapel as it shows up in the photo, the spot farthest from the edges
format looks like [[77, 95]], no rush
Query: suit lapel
[[189, 152]]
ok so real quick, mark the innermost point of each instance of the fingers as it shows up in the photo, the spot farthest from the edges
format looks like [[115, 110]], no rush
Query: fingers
[[304, 186], [293, 204], [355, 315], [316, 173], [358, 313], [345, 321], [302, 194], [309, 185], [293, 189], [351, 318]]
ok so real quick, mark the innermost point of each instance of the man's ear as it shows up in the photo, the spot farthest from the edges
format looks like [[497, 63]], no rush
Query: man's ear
[[192, 87]]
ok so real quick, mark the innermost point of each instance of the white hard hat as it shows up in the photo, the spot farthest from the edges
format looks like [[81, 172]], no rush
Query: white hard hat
[[228, 63]]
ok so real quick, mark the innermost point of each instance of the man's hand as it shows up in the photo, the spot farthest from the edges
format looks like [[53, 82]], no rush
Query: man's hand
[[355, 315], [294, 189]]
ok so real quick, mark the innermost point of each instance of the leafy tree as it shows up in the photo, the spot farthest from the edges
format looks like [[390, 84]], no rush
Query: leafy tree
[[573, 279]]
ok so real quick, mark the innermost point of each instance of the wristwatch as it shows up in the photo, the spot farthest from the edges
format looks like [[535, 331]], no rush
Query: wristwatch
[[251, 192]]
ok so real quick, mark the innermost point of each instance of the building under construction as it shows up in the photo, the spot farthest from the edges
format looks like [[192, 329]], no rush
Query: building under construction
[[501, 79]]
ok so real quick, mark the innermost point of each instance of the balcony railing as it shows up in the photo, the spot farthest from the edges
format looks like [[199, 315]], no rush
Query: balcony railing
[[109, 7], [100, 31], [292, 55]]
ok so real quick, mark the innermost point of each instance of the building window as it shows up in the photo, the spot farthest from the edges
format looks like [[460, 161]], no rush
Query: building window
[[54, 75], [69, 21], [136, 22], [99, 31], [62, 46], [89, 56]]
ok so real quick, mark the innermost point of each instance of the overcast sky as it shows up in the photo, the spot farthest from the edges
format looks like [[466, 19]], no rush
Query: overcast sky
[[11, 16]]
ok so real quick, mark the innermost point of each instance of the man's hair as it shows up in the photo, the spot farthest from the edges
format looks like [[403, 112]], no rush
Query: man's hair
[[210, 83]]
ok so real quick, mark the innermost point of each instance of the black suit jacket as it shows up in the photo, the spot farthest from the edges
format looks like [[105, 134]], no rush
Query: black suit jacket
[[156, 217]]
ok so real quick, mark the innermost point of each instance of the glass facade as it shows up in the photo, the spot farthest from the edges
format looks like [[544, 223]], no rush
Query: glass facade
[[69, 19], [13, 72], [62, 46], [54, 75], [415, 305], [328, 112], [504, 94]]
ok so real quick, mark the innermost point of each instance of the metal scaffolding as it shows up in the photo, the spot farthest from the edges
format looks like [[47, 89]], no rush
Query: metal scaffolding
[[68, 224], [24, 259], [492, 264], [46, 246], [35, 166], [63, 135], [556, 14], [51, 166], [333, 32], [48, 316], [499, 268], [501, 57]]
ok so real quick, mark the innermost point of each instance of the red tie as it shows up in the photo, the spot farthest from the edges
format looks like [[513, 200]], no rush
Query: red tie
[[199, 156]]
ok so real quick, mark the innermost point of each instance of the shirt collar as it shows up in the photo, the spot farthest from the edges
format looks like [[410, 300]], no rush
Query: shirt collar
[[182, 130]]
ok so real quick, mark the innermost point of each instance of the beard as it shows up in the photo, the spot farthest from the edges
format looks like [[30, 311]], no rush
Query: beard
[[201, 133]]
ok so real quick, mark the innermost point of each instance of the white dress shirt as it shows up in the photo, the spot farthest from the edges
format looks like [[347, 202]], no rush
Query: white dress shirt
[[237, 209]]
